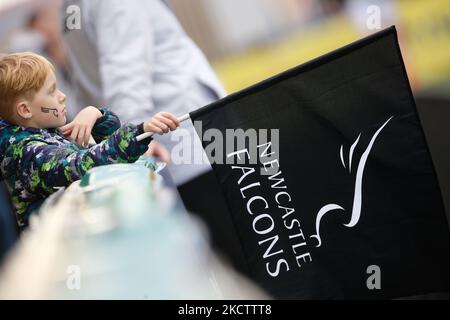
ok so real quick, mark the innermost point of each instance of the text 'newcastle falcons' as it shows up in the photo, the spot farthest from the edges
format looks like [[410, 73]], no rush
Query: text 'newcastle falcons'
[[266, 219]]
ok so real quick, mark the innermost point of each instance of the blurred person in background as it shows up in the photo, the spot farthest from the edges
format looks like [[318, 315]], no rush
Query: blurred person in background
[[40, 33], [135, 59]]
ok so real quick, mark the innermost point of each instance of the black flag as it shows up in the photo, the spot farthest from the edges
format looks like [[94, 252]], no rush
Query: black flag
[[338, 196]]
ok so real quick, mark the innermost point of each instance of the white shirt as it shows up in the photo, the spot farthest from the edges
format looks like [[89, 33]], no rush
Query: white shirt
[[134, 58]]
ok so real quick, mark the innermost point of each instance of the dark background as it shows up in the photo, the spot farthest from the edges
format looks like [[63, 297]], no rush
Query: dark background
[[434, 113]]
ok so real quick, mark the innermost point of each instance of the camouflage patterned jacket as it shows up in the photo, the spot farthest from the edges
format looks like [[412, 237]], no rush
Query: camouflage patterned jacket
[[35, 162]]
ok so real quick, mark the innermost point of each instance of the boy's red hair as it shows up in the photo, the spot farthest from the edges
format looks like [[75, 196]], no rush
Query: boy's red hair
[[21, 76]]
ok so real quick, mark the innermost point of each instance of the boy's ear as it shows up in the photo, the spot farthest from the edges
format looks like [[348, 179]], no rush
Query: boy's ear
[[23, 110]]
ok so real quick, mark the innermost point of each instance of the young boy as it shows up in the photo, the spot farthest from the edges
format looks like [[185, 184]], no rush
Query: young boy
[[36, 157]]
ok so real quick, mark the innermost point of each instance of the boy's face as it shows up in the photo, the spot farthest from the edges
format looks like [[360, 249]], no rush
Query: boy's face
[[48, 105]]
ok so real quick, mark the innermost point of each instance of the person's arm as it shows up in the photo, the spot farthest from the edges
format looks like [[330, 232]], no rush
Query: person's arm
[[124, 38], [47, 166], [101, 123], [105, 126]]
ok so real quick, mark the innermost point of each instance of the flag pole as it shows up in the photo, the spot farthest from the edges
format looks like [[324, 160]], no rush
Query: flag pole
[[150, 134]]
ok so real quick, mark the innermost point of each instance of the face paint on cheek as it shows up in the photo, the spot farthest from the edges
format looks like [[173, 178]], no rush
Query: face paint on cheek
[[47, 110]]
